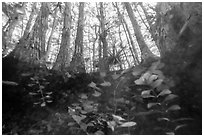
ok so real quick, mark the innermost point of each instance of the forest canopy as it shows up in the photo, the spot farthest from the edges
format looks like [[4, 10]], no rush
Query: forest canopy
[[106, 27]]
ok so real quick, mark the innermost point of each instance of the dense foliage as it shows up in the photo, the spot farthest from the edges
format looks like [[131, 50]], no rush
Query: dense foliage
[[46, 92]]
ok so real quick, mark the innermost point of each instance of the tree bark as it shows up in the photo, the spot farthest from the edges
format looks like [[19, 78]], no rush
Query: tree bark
[[43, 27], [63, 59], [23, 48], [103, 31], [94, 42], [121, 46], [129, 39], [77, 64], [80, 28], [145, 51], [53, 28], [8, 29], [150, 28], [103, 64], [132, 43]]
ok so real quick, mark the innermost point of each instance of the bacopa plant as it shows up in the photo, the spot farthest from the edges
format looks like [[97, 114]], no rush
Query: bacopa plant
[[161, 100], [37, 91]]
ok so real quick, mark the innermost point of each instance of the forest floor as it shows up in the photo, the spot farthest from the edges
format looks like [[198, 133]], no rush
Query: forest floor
[[42, 102]]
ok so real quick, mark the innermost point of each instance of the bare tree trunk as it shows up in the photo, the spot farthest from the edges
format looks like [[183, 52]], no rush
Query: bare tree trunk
[[63, 59], [94, 42], [23, 47], [121, 46], [150, 28], [103, 65], [80, 27], [100, 47], [28, 25], [103, 32], [131, 43], [160, 42], [145, 51], [77, 64], [99, 40], [53, 28], [36, 37], [8, 29], [43, 27]]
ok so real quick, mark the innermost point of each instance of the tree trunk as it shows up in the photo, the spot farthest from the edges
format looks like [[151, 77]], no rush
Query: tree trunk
[[145, 51], [131, 43], [63, 61], [103, 32], [103, 64], [121, 46], [80, 27], [52, 31], [151, 27], [8, 29], [22, 48], [43, 27], [94, 42], [77, 64], [161, 36]]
